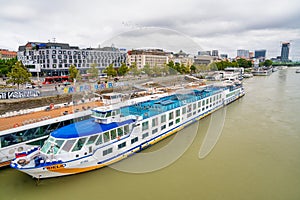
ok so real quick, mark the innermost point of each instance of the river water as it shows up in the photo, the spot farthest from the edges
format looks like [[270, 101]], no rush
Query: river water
[[256, 156]]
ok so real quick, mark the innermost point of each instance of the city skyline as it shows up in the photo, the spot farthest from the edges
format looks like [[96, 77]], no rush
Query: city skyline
[[225, 26]]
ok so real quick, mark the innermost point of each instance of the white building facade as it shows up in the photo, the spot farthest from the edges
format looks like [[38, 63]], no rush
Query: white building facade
[[152, 57], [56, 58]]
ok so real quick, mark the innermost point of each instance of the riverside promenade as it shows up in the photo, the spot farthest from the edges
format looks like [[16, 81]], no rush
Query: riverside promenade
[[20, 120]]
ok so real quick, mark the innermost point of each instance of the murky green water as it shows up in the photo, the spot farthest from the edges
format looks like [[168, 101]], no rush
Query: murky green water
[[257, 156]]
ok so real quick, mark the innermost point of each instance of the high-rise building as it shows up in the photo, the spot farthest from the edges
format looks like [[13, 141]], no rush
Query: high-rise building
[[285, 48], [251, 54], [215, 53], [56, 58], [224, 56], [260, 54], [242, 53], [204, 53]]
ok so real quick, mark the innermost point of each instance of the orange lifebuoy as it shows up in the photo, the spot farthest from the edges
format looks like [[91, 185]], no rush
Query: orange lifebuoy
[[16, 125]]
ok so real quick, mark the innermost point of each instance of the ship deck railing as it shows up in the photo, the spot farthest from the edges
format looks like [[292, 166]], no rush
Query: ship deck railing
[[154, 107]]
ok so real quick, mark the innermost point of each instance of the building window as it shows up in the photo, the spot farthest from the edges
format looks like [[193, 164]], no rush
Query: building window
[[134, 140]]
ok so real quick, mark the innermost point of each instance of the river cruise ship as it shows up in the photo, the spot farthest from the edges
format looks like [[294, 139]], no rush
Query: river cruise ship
[[116, 131]]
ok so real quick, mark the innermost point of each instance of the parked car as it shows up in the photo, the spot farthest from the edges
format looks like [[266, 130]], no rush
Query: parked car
[[29, 86]]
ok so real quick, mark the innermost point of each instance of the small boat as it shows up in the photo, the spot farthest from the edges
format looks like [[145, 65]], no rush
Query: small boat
[[298, 71]]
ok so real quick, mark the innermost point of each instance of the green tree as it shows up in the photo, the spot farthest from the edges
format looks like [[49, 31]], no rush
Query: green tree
[[165, 69], [185, 68], [147, 69], [74, 73], [156, 70], [18, 74], [268, 63], [123, 69], [193, 68], [110, 71], [93, 71], [134, 69], [6, 65], [212, 66]]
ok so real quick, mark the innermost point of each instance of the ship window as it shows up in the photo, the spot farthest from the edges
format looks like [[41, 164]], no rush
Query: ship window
[[184, 110], [134, 140], [67, 147], [154, 122], [79, 144], [120, 131], [203, 102], [171, 115], [47, 145], [199, 104], [108, 114], [92, 139], [99, 141], [210, 100], [177, 113], [206, 101], [177, 120], [163, 127], [121, 145], [107, 151], [189, 115], [189, 108], [145, 135], [106, 136], [171, 124], [154, 131], [194, 106], [145, 126], [126, 129], [163, 118], [57, 145], [113, 134]]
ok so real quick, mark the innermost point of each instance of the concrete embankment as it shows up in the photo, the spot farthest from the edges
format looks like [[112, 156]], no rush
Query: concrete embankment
[[19, 104]]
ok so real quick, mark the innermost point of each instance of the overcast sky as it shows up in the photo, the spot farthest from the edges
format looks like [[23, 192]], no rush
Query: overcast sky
[[191, 25]]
